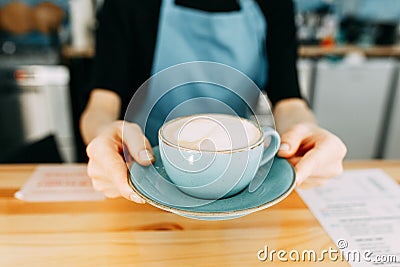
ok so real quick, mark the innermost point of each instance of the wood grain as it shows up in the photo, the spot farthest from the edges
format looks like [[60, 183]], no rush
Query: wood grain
[[116, 232]]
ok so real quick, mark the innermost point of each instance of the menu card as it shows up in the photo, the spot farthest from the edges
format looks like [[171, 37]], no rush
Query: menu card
[[50, 183], [360, 210]]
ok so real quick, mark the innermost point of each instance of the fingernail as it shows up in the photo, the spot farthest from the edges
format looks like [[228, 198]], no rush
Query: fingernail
[[146, 155], [284, 147], [137, 199]]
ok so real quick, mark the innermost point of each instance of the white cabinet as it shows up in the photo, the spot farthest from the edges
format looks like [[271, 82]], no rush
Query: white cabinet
[[46, 108], [392, 149], [305, 75], [350, 100]]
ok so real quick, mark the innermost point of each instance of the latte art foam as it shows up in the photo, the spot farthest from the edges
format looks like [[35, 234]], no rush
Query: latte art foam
[[211, 132]]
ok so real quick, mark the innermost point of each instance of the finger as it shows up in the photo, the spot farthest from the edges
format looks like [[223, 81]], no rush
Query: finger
[[309, 185], [119, 176], [138, 145], [95, 171], [102, 186], [313, 182], [102, 153], [112, 193], [294, 160], [319, 162], [305, 167], [292, 139], [127, 155]]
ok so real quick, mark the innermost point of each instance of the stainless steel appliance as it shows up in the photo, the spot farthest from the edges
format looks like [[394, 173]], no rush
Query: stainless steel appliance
[[34, 103], [305, 69], [392, 147]]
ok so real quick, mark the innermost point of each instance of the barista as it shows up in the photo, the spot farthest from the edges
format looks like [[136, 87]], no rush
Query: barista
[[136, 39]]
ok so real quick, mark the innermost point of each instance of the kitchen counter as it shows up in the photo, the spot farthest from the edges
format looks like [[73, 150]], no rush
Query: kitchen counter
[[69, 52], [116, 232], [372, 51], [304, 51]]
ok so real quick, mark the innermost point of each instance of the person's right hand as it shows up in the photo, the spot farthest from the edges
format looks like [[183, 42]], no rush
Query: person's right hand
[[107, 167]]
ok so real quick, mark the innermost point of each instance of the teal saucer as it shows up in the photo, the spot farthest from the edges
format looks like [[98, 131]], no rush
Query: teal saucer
[[153, 184]]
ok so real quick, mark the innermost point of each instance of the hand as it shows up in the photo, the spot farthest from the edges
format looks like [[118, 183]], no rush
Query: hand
[[314, 152], [107, 167]]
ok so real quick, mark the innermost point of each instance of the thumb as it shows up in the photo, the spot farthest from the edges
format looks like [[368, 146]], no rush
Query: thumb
[[138, 145], [292, 139]]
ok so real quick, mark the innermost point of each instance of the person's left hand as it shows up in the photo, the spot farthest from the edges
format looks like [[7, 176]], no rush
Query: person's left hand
[[315, 153]]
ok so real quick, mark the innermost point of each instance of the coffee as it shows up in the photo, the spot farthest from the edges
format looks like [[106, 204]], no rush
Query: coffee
[[211, 156], [211, 132]]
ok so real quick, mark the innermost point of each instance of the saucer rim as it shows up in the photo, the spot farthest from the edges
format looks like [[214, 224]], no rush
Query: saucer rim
[[227, 214], [216, 213]]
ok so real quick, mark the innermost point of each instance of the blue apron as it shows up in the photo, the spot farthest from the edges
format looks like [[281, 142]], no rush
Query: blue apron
[[235, 40]]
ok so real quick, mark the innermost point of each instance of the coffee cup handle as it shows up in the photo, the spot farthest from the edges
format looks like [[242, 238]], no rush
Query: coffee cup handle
[[268, 153], [272, 149]]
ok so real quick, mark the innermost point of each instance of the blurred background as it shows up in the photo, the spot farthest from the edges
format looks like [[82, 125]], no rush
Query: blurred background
[[348, 66]]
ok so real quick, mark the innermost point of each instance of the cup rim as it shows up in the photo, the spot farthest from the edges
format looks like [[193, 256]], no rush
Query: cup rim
[[161, 138]]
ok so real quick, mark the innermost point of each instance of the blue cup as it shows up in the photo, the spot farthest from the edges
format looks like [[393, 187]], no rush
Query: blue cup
[[212, 173]]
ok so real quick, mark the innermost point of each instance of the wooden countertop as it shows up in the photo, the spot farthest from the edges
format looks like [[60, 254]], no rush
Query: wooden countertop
[[304, 51], [373, 51], [116, 232], [69, 52]]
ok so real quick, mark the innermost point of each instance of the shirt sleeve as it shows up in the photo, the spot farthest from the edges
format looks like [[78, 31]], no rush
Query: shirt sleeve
[[113, 58], [281, 47]]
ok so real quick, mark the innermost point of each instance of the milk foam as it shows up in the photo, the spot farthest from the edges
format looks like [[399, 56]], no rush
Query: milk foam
[[211, 132]]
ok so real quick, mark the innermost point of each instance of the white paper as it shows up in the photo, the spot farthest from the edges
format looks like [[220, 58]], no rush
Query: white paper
[[361, 210], [59, 183]]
